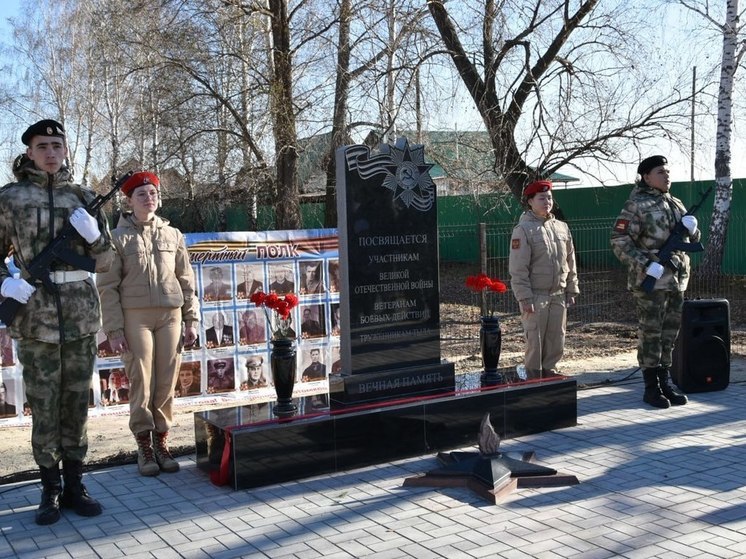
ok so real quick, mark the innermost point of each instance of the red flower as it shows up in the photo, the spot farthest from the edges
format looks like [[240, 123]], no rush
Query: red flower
[[258, 298], [483, 281], [281, 305]]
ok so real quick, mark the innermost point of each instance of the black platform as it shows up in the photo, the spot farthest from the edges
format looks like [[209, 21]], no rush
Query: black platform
[[245, 446]]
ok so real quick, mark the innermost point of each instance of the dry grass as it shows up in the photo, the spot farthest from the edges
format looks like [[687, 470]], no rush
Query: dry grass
[[602, 324]]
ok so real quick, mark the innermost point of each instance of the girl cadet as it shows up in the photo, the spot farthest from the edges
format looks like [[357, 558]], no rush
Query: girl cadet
[[543, 278], [146, 295]]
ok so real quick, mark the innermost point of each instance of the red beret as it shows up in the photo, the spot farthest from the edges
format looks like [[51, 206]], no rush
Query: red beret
[[537, 186], [139, 179]]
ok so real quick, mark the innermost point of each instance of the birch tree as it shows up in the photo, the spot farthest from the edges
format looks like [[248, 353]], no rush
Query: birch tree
[[55, 82], [734, 46]]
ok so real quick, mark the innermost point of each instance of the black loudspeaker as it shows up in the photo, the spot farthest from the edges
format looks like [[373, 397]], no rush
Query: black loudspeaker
[[701, 356]]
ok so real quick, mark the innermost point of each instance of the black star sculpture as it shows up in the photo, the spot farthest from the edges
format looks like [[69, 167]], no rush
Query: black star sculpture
[[489, 473]]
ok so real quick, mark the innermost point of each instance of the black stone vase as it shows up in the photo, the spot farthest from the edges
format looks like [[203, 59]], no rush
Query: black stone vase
[[282, 361], [490, 342]]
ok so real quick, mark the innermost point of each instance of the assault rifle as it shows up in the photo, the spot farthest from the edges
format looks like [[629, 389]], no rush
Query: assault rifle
[[58, 250], [674, 243]]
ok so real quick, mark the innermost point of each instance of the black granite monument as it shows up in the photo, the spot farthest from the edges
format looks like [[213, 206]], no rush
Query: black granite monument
[[388, 252], [393, 398]]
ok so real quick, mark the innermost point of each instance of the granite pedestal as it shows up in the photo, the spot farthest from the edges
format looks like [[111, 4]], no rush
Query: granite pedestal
[[245, 446]]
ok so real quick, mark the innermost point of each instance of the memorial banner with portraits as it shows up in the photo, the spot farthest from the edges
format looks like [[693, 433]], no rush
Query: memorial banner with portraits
[[230, 360]]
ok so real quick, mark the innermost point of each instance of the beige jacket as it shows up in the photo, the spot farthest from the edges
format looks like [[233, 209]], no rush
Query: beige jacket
[[151, 269], [542, 258]]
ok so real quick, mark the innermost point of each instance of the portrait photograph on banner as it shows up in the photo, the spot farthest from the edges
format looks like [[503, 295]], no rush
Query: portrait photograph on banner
[[251, 279], [230, 359], [252, 328], [312, 277], [219, 330], [282, 278], [8, 398], [219, 286], [115, 386], [314, 364], [255, 373], [190, 379], [220, 375]]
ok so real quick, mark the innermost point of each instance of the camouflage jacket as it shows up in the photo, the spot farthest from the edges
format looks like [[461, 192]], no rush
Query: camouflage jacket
[[542, 258], [642, 228], [151, 269], [32, 212]]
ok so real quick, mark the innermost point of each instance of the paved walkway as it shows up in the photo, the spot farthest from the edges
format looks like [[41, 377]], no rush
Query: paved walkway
[[653, 483]]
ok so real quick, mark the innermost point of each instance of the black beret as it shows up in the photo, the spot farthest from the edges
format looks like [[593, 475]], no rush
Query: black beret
[[650, 163], [47, 127]]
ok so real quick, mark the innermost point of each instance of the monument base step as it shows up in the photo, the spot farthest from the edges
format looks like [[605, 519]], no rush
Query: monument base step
[[245, 446], [347, 391]]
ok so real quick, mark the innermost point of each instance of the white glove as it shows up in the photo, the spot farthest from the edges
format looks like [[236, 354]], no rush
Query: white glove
[[690, 222], [18, 289], [86, 225], [655, 270]]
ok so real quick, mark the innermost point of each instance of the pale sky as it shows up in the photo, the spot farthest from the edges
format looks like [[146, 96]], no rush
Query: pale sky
[[680, 163], [8, 8]]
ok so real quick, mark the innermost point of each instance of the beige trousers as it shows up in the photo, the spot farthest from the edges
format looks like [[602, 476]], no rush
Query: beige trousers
[[544, 332], [152, 366]]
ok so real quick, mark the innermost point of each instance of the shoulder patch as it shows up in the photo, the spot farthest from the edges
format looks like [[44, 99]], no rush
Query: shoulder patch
[[515, 244], [621, 225]]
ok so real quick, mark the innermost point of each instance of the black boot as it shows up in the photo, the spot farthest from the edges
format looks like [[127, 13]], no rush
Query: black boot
[[51, 487], [75, 495], [653, 393], [676, 398]]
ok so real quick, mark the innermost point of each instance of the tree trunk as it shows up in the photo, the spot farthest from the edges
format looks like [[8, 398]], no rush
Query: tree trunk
[[510, 164], [287, 203], [339, 122], [713, 258]]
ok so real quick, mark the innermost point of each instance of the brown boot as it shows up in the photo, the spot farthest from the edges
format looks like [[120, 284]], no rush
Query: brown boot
[[146, 464], [162, 454]]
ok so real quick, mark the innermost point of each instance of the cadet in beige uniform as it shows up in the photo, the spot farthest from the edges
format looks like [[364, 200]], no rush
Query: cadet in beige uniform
[[146, 295], [543, 278]]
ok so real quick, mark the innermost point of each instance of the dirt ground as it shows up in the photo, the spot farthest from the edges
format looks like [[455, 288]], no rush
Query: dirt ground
[[598, 348]]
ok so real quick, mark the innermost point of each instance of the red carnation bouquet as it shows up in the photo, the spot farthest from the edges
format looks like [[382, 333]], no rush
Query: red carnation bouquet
[[482, 282], [280, 321]]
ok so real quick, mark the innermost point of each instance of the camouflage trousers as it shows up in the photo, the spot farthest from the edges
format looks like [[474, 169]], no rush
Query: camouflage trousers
[[659, 320], [58, 383]]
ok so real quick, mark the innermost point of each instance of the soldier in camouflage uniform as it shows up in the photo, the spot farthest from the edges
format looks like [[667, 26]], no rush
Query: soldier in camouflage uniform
[[646, 222], [56, 331]]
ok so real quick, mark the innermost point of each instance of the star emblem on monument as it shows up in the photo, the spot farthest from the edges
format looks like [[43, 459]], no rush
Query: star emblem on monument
[[411, 181]]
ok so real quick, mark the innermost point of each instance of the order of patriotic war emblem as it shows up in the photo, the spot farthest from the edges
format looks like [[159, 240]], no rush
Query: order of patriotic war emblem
[[405, 172]]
